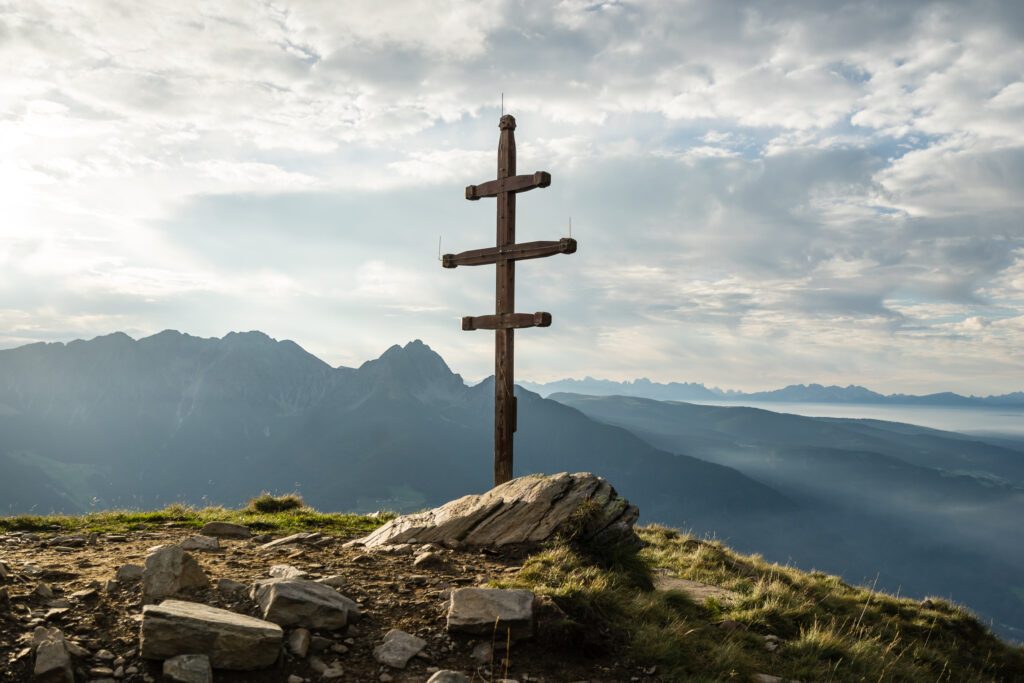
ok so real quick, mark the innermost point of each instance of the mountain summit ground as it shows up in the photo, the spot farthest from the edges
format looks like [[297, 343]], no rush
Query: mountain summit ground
[[677, 608]]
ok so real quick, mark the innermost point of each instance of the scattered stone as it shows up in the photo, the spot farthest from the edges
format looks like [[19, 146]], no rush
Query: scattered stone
[[169, 570], [772, 643], [76, 650], [296, 679], [43, 590], [695, 590], [225, 530], [398, 648], [385, 678], [86, 594], [203, 543], [298, 602], [53, 662], [111, 586], [427, 559], [230, 640], [230, 586], [482, 654], [298, 642], [188, 669], [105, 655], [334, 581], [475, 611], [286, 571], [128, 573], [319, 643], [332, 672], [101, 671], [318, 665], [526, 510], [301, 537], [448, 676]]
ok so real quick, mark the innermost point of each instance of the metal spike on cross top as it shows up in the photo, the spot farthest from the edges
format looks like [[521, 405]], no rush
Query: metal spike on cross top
[[504, 256]]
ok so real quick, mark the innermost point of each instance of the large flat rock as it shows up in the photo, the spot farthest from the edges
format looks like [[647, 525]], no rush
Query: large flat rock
[[475, 611], [527, 510], [298, 602], [230, 640]]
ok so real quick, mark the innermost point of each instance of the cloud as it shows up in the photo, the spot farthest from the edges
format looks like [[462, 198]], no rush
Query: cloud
[[763, 193]]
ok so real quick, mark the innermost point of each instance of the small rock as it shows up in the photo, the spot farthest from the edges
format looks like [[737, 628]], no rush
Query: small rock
[[127, 573], [335, 581], [475, 611], [385, 678], [300, 537], [43, 590], [170, 570], [448, 676], [319, 643], [318, 665], [296, 679], [77, 650], [104, 655], [482, 654], [225, 530], [53, 663], [101, 671], [332, 672], [286, 571], [188, 669], [398, 648], [230, 586], [427, 559], [111, 586], [87, 594], [203, 543], [298, 642]]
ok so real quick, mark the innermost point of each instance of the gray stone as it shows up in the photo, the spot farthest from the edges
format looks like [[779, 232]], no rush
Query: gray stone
[[286, 571], [398, 648], [298, 642], [225, 530], [188, 669], [448, 676], [335, 581], [524, 511], [296, 679], [170, 570], [301, 537], [475, 610], [53, 662], [230, 640], [299, 602], [230, 586], [332, 672], [204, 543], [128, 573], [43, 590], [428, 558]]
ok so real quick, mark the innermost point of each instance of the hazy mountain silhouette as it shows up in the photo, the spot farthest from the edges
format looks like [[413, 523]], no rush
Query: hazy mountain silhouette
[[932, 511], [794, 393]]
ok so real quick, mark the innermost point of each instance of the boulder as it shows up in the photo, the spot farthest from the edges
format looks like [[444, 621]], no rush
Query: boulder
[[230, 640], [170, 570], [527, 510], [299, 602], [205, 543], [188, 669], [398, 648], [475, 611], [53, 662], [225, 530], [448, 676]]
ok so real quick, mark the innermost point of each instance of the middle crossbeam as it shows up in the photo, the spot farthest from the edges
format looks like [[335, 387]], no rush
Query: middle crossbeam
[[512, 252]]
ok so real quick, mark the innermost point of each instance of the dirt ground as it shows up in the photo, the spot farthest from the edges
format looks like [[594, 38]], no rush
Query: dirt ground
[[105, 619]]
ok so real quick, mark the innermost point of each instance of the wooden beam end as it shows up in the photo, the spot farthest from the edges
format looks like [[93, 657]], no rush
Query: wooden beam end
[[448, 261], [471, 193], [567, 245], [468, 324], [541, 319], [542, 178]]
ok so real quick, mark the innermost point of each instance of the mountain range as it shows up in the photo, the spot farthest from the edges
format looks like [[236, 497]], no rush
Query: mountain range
[[794, 393], [116, 422]]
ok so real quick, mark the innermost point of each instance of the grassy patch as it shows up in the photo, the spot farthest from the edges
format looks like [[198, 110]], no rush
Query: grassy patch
[[289, 520], [830, 631]]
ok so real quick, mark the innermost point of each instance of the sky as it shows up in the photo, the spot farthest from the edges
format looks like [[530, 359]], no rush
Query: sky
[[763, 193]]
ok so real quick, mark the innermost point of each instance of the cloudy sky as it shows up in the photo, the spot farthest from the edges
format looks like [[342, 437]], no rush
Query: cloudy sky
[[763, 193]]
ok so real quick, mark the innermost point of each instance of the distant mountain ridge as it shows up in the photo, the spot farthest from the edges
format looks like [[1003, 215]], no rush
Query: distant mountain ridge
[[794, 393]]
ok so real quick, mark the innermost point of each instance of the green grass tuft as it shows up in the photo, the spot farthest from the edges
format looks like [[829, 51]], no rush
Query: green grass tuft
[[266, 502]]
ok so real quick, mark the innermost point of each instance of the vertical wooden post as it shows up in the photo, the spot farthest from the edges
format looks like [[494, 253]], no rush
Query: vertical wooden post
[[504, 340]]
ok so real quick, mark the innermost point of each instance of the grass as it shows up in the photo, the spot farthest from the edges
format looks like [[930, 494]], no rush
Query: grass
[[288, 519], [266, 502], [830, 631]]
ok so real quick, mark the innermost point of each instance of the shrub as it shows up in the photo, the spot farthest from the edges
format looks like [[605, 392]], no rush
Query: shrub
[[266, 502]]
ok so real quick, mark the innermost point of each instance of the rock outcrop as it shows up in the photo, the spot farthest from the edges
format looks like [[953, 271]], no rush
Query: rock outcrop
[[527, 510], [230, 640]]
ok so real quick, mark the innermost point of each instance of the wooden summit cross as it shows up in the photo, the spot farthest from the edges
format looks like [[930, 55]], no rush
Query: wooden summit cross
[[504, 256]]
